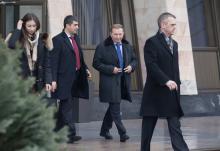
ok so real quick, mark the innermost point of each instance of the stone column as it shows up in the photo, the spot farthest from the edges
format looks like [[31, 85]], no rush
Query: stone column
[[57, 10], [146, 13]]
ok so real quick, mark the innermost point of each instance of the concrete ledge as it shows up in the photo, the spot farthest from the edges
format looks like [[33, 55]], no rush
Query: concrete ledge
[[203, 104], [205, 149]]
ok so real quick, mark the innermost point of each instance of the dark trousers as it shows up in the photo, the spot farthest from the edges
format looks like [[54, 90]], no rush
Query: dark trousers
[[65, 116], [177, 140], [113, 114]]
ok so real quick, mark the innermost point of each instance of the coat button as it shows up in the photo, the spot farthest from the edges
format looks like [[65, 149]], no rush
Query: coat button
[[40, 67]]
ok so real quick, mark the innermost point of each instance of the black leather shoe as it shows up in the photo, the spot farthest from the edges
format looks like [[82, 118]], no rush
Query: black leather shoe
[[107, 135], [124, 137], [74, 139]]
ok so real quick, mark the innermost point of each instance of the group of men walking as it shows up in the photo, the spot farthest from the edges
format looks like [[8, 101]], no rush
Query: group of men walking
[[115, 60]]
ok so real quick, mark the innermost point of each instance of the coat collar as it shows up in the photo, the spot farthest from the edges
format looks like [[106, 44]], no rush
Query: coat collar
[[108, 41], [66, 40], [64, 35], [68, 43], [161, 37]]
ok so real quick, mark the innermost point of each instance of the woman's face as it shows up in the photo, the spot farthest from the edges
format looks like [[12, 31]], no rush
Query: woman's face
[[31, 27]]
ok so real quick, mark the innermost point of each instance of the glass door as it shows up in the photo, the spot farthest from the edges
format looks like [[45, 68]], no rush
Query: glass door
[[12, 11]]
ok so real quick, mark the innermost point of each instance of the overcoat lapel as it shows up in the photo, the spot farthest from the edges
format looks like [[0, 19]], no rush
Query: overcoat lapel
[[174, 48], [163, 41], [114, 54], [125, 54], [67, 42], [79, 47], [110, 43]]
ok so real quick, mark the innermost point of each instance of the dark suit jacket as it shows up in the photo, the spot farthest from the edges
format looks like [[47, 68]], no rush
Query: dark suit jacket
[[64, 69], [111, 87], [42, 68], [161, 66]]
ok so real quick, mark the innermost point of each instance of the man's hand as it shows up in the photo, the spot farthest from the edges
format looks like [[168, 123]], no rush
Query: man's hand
[[89, 74], [53, 86], [48, 87], [19, 24], [128, 69], [117, 70], [172, 85]]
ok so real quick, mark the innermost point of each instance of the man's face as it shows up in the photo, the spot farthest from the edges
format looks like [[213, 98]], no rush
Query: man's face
[[117, 34], [72, 28], [168, 26]]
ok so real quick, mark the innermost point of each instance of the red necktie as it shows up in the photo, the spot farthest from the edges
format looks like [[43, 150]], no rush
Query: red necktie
[[76, 50]]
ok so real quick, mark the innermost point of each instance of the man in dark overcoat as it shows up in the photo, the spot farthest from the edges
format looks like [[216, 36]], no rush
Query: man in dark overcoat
[[69, 73], [115, 60], [161, 96]]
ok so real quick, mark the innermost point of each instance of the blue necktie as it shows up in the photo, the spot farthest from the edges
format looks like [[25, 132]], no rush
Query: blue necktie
[[120, 58]]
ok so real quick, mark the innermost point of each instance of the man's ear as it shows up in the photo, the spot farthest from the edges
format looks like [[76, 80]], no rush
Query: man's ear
[[162, 25]]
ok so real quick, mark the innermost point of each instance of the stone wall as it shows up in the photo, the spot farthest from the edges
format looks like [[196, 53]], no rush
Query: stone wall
[[146, 13], [57, 10]]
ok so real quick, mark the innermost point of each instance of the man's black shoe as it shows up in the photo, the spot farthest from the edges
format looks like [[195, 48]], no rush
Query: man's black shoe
[[124, 137], [74, 139], [107, 135]]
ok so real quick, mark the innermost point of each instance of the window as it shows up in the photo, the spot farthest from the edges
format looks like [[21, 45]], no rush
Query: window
[[201, 23], [11, 12], [204, 22], [93, 21]]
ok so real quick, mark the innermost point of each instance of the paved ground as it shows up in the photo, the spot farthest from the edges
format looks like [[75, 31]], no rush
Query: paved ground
[[201, 134]]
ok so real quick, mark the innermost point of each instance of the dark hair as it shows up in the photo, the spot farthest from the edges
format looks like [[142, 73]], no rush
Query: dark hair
[[164, 16], [116, 26], [69, 20], [28, 17]]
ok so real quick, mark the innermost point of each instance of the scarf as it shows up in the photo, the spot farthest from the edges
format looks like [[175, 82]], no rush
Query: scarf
[[31, 51]]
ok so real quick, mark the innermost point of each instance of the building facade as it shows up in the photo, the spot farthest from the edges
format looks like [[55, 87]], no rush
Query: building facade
[[198, 35]]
